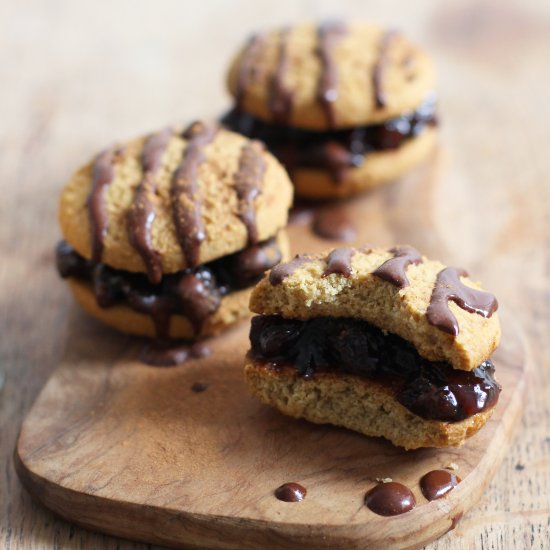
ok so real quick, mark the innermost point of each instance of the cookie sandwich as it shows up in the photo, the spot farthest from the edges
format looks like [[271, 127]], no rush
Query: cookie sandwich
[[345, 106], [165, 235], [384, 342]]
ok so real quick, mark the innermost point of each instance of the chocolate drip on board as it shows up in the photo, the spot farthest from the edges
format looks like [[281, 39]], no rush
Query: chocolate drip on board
[[339, 262], [380, 66], [186, 205], [280, 272], [291, 492], [394, 270], [103, 173], [390, 499], [329, 34], [437, 483], [247, 184], [280, 96], [449, 287], [254, 45], [142, 212], [334, 223]]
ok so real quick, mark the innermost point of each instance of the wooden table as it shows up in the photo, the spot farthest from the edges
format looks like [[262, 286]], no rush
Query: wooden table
[[77, 76]]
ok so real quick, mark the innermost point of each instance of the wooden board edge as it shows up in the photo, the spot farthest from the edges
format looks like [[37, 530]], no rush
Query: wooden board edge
[[186, 530]]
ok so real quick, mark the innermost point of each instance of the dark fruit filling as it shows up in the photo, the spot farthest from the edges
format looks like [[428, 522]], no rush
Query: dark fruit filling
[[430, 389], [194, 293], [332, 150]]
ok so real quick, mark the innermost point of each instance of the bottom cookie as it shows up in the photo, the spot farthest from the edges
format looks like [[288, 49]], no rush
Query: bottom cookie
[[378, 168], [362, 405], [232, 308]]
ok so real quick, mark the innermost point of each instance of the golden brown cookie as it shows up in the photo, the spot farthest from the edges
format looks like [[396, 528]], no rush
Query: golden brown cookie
[[375, 169], [345, 106], [171, 200], [331, 75], [346, 336], [351, 402], [160, 232]]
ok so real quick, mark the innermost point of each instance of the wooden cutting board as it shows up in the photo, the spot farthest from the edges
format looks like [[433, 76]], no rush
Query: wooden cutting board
[[132, 450]]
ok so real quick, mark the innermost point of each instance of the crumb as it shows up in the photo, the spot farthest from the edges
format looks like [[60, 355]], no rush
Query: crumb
[[520, 467], [453, 466], [384, 479]]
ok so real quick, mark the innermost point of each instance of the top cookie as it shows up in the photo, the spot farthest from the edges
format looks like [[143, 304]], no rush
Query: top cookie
[[175, 199], [445, 315], [334, 75]]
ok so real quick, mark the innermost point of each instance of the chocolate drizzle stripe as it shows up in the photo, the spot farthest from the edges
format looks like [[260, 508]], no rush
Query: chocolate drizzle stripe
[[186, 205], [103, 173], [380, 67], [142, 212], [254, 45], [448, 286], [329, 34], [394, 269], [339, 262], [247, 184], [280, 272], [280, 98]]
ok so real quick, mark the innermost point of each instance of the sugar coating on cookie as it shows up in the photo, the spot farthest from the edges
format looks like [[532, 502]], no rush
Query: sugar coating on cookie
[[330, 75], [306, 293], [174, 199]]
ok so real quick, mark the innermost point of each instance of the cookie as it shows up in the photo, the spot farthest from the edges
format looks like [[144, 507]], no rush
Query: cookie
[[385, 342], [330, 98], [159, 233]]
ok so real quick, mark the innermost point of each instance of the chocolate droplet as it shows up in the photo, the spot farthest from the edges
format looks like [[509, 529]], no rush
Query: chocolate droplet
[[438, 483], [291, 492], [390, 499]]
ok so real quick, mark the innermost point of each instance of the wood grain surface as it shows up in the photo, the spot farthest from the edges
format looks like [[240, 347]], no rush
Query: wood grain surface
[[79, 76], [131, 450]]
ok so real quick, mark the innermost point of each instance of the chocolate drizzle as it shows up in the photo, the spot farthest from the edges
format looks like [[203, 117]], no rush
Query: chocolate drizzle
[[379, 70], [329, 33], [280, 98], [103, 173], [246, 66], [449, 287], [339, 262], [142, 212], [186, 205], [390, 499], [280, 272], [247, 184], [394, 269]]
